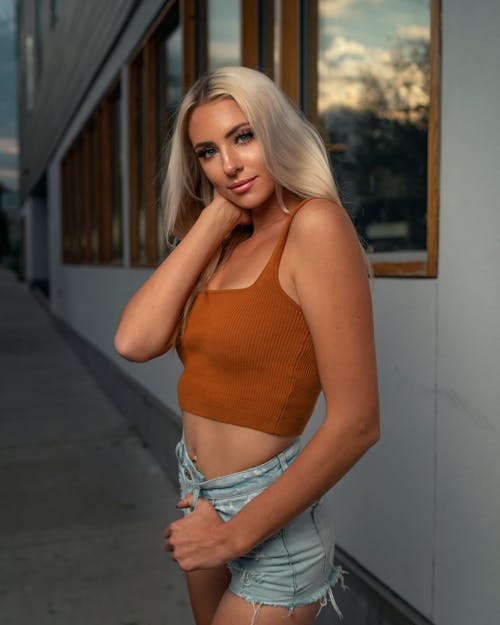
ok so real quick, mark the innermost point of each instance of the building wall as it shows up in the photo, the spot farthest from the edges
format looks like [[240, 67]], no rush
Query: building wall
[[468, 345], [36, 259], [421, 511]]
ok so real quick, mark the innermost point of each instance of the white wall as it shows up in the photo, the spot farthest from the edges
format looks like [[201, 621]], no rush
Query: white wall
[[383, 509], [422, 510], [468, 346]]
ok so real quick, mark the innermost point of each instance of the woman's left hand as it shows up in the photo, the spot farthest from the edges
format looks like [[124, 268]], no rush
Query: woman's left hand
[[196, 541]]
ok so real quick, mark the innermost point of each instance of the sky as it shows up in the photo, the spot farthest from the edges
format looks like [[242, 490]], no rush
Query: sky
[[9, 149], [360, 37]]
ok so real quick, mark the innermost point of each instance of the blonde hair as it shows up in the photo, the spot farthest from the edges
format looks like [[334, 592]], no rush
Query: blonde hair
[[292, 150]]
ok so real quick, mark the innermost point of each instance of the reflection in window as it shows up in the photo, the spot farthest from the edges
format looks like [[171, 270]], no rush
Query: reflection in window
[[224, 39], [373, 105]]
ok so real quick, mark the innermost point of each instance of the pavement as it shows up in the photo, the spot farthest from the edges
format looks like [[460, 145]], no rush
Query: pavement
[[82, 502]]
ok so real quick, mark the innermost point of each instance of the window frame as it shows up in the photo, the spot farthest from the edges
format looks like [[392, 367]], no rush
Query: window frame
[[299, 81], [79, 166], [145, 52]]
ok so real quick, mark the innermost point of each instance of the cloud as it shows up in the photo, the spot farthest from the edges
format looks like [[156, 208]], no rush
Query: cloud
[[9, 146], [414, 32], [343, 70], [331, 10]]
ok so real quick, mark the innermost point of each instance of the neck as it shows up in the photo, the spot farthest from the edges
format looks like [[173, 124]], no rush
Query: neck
[[265, 226], [273, 213]]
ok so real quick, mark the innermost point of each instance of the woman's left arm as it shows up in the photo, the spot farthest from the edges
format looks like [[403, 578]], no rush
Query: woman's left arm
[[331, 282]]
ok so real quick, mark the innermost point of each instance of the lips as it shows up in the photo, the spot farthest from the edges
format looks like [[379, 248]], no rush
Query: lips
[[242, 186]]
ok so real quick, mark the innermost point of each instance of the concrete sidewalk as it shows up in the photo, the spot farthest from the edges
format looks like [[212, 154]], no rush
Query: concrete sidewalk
[[82, 503]]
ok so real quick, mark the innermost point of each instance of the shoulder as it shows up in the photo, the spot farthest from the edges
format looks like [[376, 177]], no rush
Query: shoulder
[[320, 222]]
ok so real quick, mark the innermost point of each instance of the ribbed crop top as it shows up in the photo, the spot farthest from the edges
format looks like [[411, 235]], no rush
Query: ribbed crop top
[[248, 355]]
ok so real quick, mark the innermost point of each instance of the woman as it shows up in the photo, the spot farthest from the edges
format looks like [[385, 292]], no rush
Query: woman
[[266, 298]]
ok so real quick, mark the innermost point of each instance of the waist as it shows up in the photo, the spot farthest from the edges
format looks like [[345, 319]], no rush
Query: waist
[[218, 448], [223, 485]]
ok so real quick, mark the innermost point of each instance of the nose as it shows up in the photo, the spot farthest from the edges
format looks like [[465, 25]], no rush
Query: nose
[[231, 162]]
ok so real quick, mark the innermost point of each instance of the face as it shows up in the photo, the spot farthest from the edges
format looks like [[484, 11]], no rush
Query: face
[[229, 154]]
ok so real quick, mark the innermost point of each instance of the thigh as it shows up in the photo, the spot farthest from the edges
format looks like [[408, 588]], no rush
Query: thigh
[[233, 609], [206, 588]]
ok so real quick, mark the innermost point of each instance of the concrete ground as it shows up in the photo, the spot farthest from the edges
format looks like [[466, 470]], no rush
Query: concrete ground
[[82, 502]]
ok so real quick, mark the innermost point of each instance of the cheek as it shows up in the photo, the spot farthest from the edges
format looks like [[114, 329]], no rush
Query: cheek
[[207, 173], [257, 162]]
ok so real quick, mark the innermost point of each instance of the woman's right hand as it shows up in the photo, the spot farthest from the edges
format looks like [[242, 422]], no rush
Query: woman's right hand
[[228, 213]]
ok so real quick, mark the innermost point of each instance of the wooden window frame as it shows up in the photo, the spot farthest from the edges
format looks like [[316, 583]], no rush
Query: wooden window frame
[[257, 35], [293, 14], [76, 198], [145, 51]]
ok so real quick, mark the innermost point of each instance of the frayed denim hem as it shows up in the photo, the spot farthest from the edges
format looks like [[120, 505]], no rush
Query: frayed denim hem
[[324, 595]]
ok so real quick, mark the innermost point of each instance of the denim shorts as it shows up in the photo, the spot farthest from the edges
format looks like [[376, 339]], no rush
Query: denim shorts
[[294, 567]]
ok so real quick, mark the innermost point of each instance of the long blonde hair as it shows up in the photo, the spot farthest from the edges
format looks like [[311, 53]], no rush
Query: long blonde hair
[[292, 150]]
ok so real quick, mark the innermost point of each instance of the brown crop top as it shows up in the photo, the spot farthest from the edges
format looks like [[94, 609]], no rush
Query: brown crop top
[[248, 355]]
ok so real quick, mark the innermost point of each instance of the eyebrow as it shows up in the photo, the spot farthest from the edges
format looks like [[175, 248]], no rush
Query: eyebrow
[[226, 136]]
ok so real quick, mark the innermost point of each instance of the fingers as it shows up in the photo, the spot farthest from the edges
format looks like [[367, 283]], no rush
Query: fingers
[[245, 219], [167, 533], [185, 502]]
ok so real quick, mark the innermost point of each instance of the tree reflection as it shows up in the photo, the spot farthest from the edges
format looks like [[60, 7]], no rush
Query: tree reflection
[[379, 149]]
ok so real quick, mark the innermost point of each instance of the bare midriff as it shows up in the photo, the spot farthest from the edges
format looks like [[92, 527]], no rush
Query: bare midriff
[[218, 448]]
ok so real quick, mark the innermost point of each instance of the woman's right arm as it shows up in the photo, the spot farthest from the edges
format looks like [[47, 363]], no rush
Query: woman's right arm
[[149, 319]]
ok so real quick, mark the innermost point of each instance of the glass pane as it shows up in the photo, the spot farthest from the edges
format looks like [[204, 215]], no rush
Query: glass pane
[[173, 50], [65, 210], [373, 104], [75, 213], [82, 216], [223, 33], [139, 146], [116, 194], [94, 233], [169, 93]]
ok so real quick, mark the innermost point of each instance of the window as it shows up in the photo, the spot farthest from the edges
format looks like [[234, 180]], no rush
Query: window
[[258, 35], [367, 75], [376, 107], [91, 188], [223, 26], [168, 96], [156, 84]]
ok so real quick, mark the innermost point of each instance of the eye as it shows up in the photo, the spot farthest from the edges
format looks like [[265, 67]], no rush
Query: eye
[[244, 137], [205, 153]]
